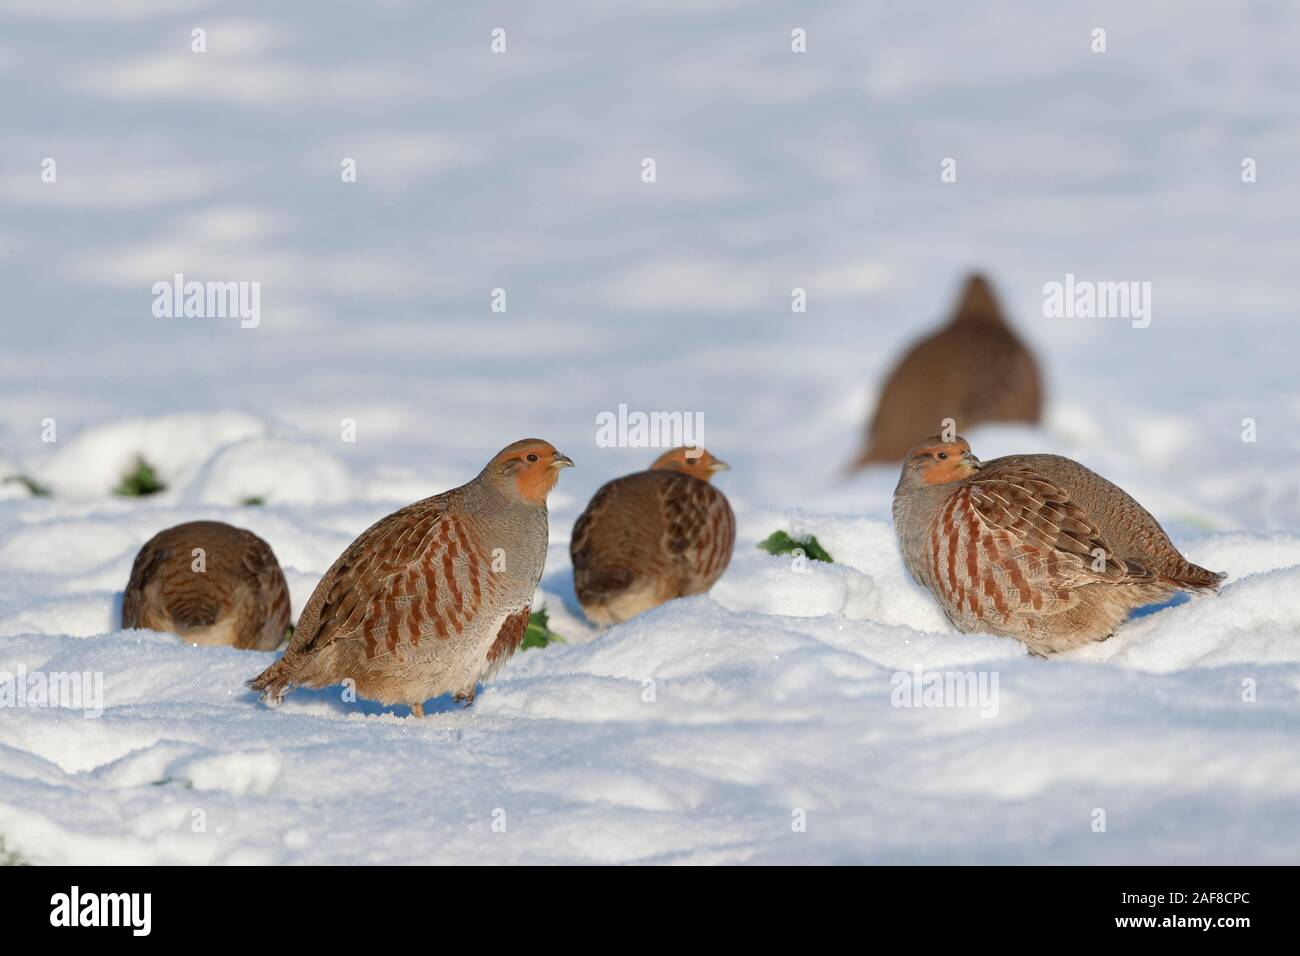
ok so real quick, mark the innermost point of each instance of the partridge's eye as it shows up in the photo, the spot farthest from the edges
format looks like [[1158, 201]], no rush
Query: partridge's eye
[[943, 456], [532, 457]]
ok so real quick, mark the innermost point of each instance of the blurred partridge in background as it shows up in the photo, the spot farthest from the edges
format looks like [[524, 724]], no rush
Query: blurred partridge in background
[[1034, 547], [652, 536], [433, 598], [974, 370], [231, 591]]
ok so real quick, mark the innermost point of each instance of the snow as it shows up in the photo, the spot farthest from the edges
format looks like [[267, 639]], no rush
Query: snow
[[706, 730]]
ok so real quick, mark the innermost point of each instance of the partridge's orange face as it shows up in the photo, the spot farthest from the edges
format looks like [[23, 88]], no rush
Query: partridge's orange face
[[692, 461], [530, 468], [938, 462]]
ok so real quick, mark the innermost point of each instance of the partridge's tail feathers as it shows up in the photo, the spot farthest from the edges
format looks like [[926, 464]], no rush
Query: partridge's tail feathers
[[868, 456], [273, 683], [1196, 578]]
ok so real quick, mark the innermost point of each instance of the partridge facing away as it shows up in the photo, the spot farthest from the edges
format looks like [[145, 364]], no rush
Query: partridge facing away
[[973, 370], [433, 598], [1034, 547], [209, 583], [652, 536]]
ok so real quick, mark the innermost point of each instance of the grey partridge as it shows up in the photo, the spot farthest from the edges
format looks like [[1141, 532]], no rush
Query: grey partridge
[[652, 536], [973, 370], [209, 583], [1035, 547], [435, 597]]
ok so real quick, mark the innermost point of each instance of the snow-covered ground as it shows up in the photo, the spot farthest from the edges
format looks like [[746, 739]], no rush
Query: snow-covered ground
[[758, 724]]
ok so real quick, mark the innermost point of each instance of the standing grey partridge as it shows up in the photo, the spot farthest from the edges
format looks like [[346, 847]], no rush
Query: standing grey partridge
[[433, 598], [1034, 547], [652, 536], [209, 583], [973, 370]]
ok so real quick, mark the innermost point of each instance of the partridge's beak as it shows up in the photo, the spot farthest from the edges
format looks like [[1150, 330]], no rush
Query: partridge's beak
[[561, 461], [719, 465], [971, 460]]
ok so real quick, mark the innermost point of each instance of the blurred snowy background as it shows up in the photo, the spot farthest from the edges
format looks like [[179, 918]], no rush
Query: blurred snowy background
[[522, 171]]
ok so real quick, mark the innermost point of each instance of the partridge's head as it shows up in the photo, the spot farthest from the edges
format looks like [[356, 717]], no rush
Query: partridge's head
[[691, 461], [938, 462], [977, 303], [527, 469]]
